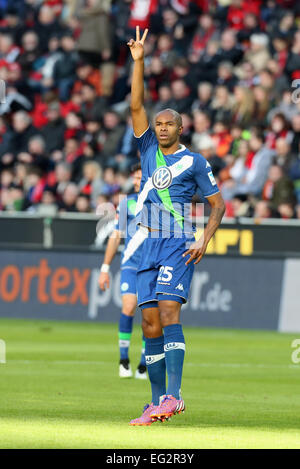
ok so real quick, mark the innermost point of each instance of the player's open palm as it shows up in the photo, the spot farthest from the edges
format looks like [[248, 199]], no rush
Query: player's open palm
[[103, 281], [137, 46]]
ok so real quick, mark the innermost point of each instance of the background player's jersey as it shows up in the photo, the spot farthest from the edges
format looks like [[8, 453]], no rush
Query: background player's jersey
[[168, 185], [134, 237]]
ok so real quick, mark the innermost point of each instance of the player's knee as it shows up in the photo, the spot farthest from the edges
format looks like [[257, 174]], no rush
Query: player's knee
[[151, 329], [169, 314], [128, 310], [167, 318], [129, 305]]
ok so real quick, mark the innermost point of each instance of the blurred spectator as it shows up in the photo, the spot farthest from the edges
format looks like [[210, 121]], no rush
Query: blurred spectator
[[182, 96], [279, 129], [165, 99], [243, 108], [205, 31], [258, 53], [86, 73], [69, 197], [222, 138], [292, 66], [282, 155], [202, 122], [63, 175], [261, 103], [95, 40], [237, 11], [31, 52], [278, 188], [46, 26], [165, 51], [91, 184], [113, 130], [251, 25], [206, 147], [187, 132], [93, 107], [222, 104], [64, 72], [226, 76], [230, 50], [262, 210], [256, 169], [230, 68], [206, 68], [83, 203], [53, 131], [241, 206], [23, 130], [286, 210], [8, 50], [204, 97]]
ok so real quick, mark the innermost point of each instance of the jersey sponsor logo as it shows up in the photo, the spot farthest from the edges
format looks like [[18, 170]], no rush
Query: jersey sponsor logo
[[179, 287], [211, 178], [162, 178]]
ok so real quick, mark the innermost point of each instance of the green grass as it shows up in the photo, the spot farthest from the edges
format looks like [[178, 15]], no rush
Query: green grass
[[60, 389]]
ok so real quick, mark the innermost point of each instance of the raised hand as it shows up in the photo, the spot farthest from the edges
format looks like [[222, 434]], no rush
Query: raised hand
[[137, 46]]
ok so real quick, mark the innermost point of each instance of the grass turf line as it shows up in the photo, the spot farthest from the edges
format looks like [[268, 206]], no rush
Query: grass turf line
[[60, 389]]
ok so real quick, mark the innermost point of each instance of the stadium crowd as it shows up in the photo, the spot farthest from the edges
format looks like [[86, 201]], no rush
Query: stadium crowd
[[229, 67]]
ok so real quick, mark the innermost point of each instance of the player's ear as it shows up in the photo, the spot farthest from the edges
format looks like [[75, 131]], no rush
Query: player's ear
[[180, 129]]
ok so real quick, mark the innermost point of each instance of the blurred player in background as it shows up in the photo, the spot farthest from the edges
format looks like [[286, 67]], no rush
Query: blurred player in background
[[171, 175], [131, 255]]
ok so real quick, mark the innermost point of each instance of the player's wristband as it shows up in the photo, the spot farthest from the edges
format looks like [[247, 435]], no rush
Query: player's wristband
[[104, 268]]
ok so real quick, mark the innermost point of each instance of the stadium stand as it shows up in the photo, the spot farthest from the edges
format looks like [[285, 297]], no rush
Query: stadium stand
[[232, 68]]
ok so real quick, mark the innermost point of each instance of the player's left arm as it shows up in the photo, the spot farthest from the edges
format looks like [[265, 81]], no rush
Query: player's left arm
[[198, 249]]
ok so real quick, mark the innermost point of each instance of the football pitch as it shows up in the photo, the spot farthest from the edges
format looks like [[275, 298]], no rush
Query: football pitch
[[60, 388]]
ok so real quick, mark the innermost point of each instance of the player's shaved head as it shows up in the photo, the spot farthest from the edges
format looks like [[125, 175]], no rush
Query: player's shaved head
[[168, 127], [175, 116]]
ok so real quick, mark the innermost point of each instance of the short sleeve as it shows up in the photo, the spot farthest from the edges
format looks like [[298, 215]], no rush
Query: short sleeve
[[146, 140], [204, 177]]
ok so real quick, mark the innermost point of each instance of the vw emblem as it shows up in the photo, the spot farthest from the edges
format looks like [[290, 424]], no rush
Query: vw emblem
[[162, 178]]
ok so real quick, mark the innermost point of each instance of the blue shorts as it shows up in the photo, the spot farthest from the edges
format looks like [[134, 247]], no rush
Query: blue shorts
[[128, 281], [162, 273]]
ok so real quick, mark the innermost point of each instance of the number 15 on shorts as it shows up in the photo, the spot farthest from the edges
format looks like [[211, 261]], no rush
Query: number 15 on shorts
[[165, 274]]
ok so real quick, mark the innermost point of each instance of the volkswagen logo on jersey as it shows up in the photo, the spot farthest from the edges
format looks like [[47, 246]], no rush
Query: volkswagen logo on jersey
[[162, 178]]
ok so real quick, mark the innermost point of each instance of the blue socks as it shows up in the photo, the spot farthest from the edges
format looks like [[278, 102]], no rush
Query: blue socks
[[125, 331], [156, 366], [174, 347], [166, 353]]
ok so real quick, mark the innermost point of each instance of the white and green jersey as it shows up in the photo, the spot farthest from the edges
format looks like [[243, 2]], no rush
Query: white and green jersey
[[168, 185]]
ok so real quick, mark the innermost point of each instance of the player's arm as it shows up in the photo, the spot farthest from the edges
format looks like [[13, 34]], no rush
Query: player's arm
[[110, 252], [138, 112], [197, 249]]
